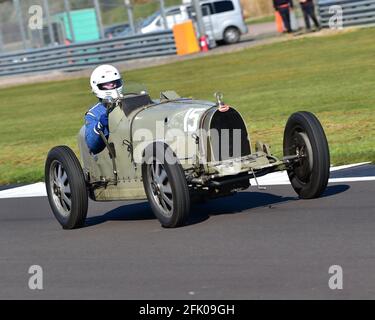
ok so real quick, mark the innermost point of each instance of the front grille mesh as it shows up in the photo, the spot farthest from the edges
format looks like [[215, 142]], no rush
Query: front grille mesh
[[228, 136]]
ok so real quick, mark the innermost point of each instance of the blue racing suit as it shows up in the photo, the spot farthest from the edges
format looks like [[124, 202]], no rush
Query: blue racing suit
[[96, 120]]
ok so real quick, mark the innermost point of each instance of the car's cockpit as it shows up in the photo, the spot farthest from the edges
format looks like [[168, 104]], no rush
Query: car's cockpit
[[132, 102]]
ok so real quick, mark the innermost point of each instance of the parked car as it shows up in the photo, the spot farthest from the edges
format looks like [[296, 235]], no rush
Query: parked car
[[117, 30], [223, 19], [173, 150], [154, 22]]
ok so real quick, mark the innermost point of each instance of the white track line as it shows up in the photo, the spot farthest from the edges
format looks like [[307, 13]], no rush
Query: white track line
[[351, 179], [32, 190], [346, 166], [281, 178], [272, 179]]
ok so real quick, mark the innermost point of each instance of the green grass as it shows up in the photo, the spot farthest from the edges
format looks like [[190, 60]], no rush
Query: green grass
[[332, 76], [257, 20]]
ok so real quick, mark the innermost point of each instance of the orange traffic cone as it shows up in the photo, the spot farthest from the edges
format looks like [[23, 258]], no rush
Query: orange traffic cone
[[203, 43], [279, 22]]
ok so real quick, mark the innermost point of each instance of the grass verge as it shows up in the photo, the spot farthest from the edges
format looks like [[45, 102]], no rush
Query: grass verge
[[258, 20]]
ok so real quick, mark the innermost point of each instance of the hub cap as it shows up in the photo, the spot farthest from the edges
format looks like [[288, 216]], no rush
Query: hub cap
[[161, 188], [60, 188], [231, 35], [302, 147]]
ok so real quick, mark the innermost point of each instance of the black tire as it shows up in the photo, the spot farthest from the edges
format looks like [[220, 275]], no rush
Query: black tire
[[58, 188], [173, 187], [231, 35], [304, 134]]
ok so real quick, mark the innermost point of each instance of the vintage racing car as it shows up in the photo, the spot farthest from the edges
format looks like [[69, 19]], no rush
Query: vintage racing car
[[174, 150]]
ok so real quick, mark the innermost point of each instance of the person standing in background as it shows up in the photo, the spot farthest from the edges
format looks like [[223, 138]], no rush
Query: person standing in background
[[283, 7], [308, 10]]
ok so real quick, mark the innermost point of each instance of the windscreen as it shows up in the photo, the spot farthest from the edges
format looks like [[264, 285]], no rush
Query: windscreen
[[130, 86]]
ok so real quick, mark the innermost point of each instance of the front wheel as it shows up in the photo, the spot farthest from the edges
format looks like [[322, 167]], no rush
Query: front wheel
[[305, 137], [165, 186], [66, 187]]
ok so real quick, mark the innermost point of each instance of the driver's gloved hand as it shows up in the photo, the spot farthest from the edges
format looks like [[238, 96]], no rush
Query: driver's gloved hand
[[103, 122]]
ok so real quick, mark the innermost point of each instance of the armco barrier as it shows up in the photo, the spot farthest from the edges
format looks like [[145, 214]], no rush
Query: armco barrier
[[355, 12], [80, 56]]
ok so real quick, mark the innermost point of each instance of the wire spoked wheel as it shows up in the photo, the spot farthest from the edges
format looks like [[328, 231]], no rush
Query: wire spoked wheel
[[161, 187], [60, 188], [165, 185], [66, 187], [304, 136]]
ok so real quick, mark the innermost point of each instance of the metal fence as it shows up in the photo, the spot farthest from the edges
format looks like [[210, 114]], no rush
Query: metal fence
[[71, 20], [355, 12], [81, 56]]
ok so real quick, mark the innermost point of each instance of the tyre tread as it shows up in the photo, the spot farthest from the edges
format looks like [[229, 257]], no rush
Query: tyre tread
[[321, 157]]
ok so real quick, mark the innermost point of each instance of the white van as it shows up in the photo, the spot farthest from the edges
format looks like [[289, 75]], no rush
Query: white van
[[223, 19], [154, 23]]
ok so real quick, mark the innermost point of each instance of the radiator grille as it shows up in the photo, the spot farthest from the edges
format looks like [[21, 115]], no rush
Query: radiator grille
[[228, 136]]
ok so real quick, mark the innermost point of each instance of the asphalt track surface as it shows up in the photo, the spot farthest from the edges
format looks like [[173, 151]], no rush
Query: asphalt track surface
[[254, 245]]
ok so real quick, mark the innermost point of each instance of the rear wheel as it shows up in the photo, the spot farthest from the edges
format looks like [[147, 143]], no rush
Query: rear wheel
[[305, 137], [231, 35], [165, 186], [66, 187]]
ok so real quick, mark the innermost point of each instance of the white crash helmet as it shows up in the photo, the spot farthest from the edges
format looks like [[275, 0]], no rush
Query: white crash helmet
[[106, 81]]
